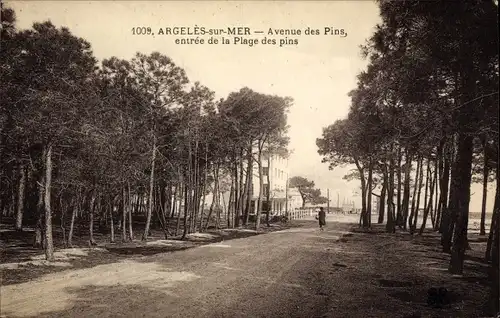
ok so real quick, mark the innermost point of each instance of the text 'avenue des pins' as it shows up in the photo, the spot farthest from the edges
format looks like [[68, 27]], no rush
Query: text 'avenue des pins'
[[237, 35]]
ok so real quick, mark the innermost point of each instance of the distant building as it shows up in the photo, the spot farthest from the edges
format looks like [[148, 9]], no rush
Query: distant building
[[276, 167], [309, 205], [348, 208], [294, 199]]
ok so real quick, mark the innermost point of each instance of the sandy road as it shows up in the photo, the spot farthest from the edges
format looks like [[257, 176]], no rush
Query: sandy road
[[272, 275], [300, 272]]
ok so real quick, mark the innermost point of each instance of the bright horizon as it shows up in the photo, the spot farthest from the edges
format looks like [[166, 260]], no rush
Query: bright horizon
[[317, 73]]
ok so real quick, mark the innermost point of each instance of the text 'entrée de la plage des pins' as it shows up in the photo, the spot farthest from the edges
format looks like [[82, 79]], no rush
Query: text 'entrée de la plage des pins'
[[237, 35]]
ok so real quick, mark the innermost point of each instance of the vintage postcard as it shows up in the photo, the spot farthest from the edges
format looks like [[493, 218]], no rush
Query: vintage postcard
[[249, 158]]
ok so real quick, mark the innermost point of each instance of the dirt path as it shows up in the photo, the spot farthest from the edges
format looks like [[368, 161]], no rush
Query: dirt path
[[299, 272]]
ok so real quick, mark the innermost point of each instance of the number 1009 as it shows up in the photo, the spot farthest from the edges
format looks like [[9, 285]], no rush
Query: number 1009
[[141, 31]]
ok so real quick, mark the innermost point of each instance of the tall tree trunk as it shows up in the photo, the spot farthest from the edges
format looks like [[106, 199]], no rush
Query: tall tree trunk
[[494, 246], [444, 182], [124, 214], [215, 197], [181, 192], [419, 189], [167, 200], [173, 201], [427, 182], [440, 188], [268, 194], [428, 205], [236, 190], [162, 198], [229, 207], [450, 215], [73, 217], [363, 215], [243, 188], [13, 201], [218, 212], [196, 189], [129, 207], [160, 212], [482, 230], [20, 197], [383, 195], [436, 194], [419, 194], [261, 187], [49, 244], [219, 206], [138, 203], [111, 222], [494, 270], [246, 194], [400, 217], [464, 166], [204, 189], [390, 225], [62, 224], [39, 232], [91, 223], [406, 188], [494, 221], [13, 193], [212, 204], [493, 227], [249, 183], [151, 189], [414, 197], [187, 189], [369, 193], [202, 204]]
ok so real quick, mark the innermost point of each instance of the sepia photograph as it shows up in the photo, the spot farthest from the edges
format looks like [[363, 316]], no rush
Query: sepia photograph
[[224, 159]]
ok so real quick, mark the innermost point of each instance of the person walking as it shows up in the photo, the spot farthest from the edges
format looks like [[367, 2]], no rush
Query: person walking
[[321, 218]]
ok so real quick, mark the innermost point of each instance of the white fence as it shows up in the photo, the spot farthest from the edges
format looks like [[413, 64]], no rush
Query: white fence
[[300, 213]]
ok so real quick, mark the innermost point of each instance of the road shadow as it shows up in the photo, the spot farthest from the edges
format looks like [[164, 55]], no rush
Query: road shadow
[[108, 301], [28, 262], [418, 263], [29, 271]]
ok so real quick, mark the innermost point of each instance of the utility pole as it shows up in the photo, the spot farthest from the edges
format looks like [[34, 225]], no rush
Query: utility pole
[[338, 200], [286, 195], [328, 202]]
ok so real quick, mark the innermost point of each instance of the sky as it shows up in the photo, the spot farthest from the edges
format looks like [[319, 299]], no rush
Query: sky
[[317, 72]]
